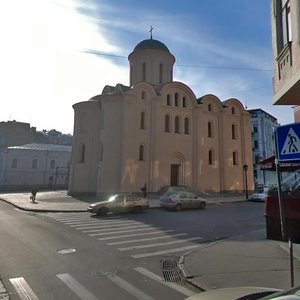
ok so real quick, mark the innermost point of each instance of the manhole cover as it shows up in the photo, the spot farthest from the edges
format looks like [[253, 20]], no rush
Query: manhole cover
[[66, 251], [170, 269]]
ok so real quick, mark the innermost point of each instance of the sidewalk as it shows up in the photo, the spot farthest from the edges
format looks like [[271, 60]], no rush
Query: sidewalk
[[248, 260]]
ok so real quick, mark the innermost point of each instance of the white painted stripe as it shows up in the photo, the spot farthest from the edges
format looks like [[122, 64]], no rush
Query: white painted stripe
[[83, 218], [135, 234], [98, 222], [23, 289], [172, 285], [147, 239], [128, 287], [160, 244], [76, 287], [121, 231], [101, 229], [121, 224], [164, 251]]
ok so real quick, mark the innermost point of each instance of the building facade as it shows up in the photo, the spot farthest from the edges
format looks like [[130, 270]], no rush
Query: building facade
[[263, 144], [44, 166], [157, 132], [285, 21]]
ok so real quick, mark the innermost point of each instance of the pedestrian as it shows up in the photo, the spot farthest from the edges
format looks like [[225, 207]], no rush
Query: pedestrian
[[144, 190], [33, 194]]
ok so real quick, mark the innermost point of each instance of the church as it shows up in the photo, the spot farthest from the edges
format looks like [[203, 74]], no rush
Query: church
[[157, 132]]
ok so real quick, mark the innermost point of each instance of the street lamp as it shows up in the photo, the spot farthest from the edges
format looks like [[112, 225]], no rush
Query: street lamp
[[245, 168]]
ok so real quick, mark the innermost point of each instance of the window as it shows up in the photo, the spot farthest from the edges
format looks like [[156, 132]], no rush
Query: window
[[144, 71], [209, 129], [232, 110], [167, 123], [168, 99], [234, 158], [209, 108], [34, 164], [176, 99], [283, 23], [143, 96], [14, 163], [82, 154], [52, 164], [143, 120], [142, 152], [255, 129], [211, 157], [186, 125], [255, 144], [183, 102], [160, 73], [176, 130], [233, 131]]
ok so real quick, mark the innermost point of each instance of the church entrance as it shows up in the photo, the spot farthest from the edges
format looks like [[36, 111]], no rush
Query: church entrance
[[174, 177]]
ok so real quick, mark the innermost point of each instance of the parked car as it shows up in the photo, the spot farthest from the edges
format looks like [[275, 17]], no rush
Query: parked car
[[119, 203], [259, 197], [244, 293], [182, 200]]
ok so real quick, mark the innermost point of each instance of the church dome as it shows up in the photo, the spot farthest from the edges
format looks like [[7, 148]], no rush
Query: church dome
[[151, 44]]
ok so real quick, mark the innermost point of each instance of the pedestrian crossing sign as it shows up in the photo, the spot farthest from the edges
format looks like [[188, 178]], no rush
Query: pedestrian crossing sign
[[288, 142]]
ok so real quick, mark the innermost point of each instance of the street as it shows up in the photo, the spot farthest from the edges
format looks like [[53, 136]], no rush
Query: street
[[124, 256]]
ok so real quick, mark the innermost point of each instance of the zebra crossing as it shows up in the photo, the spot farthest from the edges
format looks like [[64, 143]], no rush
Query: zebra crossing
[[135, 237], [21, 287]]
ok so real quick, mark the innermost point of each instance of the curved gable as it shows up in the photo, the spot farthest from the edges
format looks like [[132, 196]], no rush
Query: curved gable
[[212, 100]]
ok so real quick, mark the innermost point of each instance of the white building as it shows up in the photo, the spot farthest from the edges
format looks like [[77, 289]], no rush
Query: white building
[[156, 131], [40, 165]]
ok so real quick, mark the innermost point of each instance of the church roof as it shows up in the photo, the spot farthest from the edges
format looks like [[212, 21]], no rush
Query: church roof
[[151, 44], [43, 147]]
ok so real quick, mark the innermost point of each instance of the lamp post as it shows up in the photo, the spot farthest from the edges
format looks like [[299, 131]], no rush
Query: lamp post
[[245, 168]]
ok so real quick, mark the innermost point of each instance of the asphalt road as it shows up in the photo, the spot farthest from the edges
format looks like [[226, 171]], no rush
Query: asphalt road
[[115, 256]]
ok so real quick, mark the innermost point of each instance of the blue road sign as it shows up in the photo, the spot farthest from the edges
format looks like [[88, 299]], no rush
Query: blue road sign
[[288, 142]]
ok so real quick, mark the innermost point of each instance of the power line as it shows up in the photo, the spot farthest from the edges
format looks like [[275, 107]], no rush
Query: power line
[[100, 53]]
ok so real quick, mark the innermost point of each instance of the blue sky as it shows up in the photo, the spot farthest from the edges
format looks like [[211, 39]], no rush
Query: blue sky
[[221, 48]]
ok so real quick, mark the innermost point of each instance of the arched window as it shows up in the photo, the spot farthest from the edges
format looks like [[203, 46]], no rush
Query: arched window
[[186, 125], [176, 129], [176, 99], [143, 96], [183, 102], [234, 158], [34, 164], [160, 73], [233, 132], [143, 120], [52, 164], [14, 163], [168, 99], [232, 110], [209, 107], [167, 123], [210, 129], [144, 71], [141, 152], [211, 159]]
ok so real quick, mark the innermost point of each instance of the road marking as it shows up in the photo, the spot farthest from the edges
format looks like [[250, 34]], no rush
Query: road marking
[[98, 222], [135, 234], [76, 287], [128, 287], [160, 244], [121, 231], [147, 239], [116, 228], [23, 289], [109, 225], [164, 251], [172, 285]]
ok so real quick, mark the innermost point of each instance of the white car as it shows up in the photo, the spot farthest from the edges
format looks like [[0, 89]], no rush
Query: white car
[[182, 200], [259, 197]]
